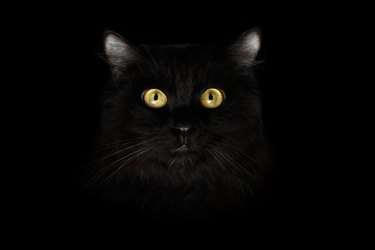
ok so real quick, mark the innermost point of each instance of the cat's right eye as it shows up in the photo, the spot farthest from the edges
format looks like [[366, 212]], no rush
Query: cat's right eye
[[212, 98], [154, 98]]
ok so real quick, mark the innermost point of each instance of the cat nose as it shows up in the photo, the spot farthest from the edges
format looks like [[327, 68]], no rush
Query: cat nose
[[183, 129], [183, 132], [183, 135]]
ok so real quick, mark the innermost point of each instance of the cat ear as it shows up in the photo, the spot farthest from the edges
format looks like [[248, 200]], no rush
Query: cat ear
[[118, 51], [246, 48]]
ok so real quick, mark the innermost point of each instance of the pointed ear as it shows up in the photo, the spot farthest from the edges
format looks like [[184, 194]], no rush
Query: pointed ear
[[118, 51], [246, 48]]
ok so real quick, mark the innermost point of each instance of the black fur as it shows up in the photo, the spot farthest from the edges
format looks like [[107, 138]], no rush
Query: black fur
[[136, 167]]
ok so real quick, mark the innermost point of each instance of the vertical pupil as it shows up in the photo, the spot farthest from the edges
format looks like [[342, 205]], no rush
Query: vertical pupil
[[210, 97], [156, 97]]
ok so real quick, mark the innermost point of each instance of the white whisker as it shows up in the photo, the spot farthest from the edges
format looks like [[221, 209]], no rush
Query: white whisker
[[106, 168], [170, 165], [126, 162]]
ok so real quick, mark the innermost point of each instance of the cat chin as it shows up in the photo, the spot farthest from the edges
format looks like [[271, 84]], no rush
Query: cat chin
[[181, 163], [176, 162], [183, 159]]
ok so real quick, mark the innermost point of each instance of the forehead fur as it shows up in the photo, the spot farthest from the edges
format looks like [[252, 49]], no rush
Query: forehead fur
[[182, 69]]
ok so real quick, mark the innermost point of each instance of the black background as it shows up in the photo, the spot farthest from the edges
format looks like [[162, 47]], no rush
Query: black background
[[311, 197]]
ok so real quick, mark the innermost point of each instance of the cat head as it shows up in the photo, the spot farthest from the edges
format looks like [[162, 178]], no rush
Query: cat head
[[182, 114]]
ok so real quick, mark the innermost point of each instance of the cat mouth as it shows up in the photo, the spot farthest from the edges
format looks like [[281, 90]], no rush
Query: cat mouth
[[183, 151], [182, 148]]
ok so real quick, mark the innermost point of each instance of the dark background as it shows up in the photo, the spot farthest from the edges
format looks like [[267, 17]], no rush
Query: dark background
[[312, 196]]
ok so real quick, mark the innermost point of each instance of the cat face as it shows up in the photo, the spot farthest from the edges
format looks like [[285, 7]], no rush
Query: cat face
[[182, 113]]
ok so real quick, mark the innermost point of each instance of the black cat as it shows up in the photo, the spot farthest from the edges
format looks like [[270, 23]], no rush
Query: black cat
[[181, 133]]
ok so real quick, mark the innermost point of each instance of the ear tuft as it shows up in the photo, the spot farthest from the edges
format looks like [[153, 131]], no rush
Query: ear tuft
[[117, 49], [246, 48]]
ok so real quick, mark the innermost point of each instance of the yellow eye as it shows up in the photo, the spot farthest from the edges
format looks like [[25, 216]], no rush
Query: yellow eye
[[212, 98], [154, 98]]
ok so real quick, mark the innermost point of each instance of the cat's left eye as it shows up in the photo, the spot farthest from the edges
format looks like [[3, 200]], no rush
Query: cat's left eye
[[154, 98], [212, 98]]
